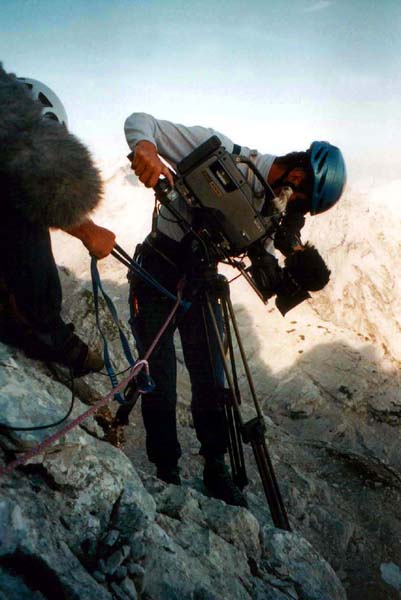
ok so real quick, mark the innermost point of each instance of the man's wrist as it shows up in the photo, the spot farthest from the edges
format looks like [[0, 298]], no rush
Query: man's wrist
[[82, 231], [145, 144]]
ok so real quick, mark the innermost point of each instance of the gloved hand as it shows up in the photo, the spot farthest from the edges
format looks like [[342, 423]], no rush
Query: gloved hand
[[287, 241], [308, 268], [287, 238]]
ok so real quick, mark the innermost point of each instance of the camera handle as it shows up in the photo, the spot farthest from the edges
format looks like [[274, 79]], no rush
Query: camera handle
[[269, 194]]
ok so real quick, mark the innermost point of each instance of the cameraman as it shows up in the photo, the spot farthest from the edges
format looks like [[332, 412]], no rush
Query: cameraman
[[317, 178]]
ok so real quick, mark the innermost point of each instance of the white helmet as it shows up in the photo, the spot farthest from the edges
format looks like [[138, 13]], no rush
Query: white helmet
[[52, 106]]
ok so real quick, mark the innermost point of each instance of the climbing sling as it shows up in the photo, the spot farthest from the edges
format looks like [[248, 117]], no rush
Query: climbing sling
[[143, 381]]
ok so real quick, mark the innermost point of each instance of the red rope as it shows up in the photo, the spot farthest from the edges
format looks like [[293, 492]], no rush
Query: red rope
[[53, 438], [122, 385]]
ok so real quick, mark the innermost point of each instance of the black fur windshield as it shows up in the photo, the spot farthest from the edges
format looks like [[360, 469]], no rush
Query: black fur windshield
[[46, 173]]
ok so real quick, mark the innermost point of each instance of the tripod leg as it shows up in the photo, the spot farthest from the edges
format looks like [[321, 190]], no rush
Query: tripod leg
[[270, 486], [238, 465], [254, 432], [235, 449], [233, 418]]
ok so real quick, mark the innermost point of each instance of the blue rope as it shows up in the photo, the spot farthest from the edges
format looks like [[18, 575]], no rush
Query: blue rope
[[136, 267], [147, 384]]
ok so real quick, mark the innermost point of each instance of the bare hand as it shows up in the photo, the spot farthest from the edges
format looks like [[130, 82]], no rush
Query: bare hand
[[147, 165], [98, 240]]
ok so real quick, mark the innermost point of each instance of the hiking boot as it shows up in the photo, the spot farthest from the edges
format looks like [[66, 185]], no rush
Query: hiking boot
[[73, 354], [78, 357], [220, 484], [46, 345], [169, 475]]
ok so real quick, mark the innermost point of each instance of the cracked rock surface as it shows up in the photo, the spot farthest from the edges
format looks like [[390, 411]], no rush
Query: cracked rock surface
[[89, 520]]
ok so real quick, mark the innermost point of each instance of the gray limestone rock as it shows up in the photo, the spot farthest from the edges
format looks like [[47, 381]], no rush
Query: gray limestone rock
[[111, 538], [13, 587], [81, 516], [128, 586], [137, 574], [39, 556], [291, 557]]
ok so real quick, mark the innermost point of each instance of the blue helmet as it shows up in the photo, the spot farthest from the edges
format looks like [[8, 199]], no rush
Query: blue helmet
[[329, 176]]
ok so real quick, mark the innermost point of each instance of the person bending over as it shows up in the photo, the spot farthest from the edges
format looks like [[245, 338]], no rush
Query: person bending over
[[317, 179]]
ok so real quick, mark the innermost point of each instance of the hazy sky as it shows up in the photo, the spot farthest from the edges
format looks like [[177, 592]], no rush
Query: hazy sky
[[270, 74]]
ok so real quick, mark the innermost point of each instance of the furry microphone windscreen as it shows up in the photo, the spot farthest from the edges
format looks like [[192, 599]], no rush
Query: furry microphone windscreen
[[46, 173]]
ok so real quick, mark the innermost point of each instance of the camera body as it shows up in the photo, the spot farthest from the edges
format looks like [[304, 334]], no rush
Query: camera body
[[210, 183], [223, 209]]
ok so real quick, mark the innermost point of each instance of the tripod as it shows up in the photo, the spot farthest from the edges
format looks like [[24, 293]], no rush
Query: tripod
[[214, 287]]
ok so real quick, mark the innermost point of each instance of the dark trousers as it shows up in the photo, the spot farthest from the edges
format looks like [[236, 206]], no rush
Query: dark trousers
[[149, 310], [29, 272]]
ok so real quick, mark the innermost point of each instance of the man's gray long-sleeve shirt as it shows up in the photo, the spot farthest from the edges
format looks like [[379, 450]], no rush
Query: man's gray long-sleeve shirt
[[174, 142]]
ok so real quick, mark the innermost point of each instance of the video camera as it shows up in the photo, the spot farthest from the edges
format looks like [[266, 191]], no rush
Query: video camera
[[209, 181], [223, 205]]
